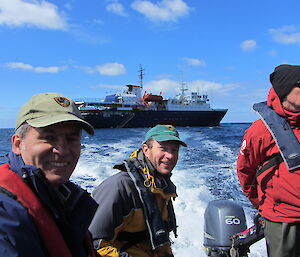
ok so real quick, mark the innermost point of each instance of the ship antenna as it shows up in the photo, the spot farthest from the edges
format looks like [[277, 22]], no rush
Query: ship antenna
[[141, 74], [183, 87]]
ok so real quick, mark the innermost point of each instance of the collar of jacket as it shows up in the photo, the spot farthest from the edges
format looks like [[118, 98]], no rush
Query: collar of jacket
[[162, 181], [62, 201], [275, 103]]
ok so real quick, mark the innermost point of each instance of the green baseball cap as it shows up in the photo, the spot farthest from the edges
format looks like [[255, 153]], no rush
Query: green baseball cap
[[50, 108], [163, 133]]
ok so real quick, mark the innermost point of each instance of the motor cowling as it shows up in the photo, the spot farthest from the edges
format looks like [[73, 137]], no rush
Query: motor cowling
[[222, 220]]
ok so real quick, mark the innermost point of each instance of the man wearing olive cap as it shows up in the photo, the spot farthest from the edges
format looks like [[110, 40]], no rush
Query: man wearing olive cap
[[268, 164], [43, 214], [135, 213]]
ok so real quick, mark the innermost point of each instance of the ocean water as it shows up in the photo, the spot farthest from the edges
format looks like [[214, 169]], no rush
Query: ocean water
[[205, 172]]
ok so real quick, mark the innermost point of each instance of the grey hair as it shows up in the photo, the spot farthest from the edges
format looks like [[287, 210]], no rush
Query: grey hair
[[23, 129], [149, 142]]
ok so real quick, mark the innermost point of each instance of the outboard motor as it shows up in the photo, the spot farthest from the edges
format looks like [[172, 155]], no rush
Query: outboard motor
[[222, 220]]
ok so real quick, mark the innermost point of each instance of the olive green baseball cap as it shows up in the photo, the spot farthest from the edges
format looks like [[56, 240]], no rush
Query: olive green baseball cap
[[163, 133], [50, 108]]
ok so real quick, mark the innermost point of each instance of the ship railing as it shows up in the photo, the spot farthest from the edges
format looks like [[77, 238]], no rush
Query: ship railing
[[91, 107], [88, 100]]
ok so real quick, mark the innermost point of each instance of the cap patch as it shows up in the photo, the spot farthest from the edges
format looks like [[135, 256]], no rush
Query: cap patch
[[64, 102], [171, 128]]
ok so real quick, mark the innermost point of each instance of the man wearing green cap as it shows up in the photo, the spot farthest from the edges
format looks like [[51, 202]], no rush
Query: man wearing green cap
[[42, 213], [135, 213]]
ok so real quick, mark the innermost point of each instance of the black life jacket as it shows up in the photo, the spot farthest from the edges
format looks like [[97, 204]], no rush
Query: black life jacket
[[286, 141], [158, 229]]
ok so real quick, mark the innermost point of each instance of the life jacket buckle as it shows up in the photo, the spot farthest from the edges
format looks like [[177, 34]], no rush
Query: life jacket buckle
[[147, 183]]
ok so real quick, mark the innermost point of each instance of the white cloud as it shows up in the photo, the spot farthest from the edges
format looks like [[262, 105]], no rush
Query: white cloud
[[166, 10], [116, 8], [108, 69], [162, 85], [195, 62], [111, 69], [35, 13], [248, 45], [172, 87], [209, 87], [28, 67], [286, 34], [203, 86]]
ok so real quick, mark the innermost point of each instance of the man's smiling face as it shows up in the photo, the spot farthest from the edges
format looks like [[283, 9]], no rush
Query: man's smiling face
[[162, 155], [54, 149]]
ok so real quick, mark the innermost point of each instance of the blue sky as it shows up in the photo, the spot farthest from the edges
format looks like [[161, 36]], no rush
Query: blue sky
[[91, 48]]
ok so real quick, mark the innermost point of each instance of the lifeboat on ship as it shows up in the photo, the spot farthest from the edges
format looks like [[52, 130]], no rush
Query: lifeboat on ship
[[148, 97]]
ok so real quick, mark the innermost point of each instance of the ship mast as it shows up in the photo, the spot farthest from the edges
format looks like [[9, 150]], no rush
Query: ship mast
[[141, 74], [182, 89]]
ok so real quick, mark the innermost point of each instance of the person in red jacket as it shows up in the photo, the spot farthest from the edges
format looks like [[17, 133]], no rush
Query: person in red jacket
[[268, 165]]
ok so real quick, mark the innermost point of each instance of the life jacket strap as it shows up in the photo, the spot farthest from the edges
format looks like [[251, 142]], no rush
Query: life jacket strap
[[3, 190], [273, 161]]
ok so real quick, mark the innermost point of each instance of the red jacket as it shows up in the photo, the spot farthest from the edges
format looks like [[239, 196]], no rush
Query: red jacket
[[276, 192]]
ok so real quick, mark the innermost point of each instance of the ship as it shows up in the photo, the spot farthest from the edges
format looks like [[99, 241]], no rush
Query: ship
[[129, 109]]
